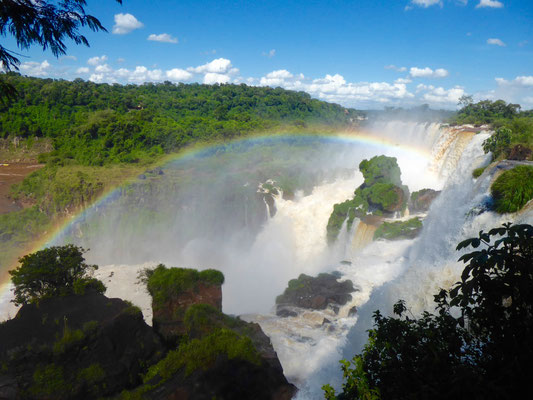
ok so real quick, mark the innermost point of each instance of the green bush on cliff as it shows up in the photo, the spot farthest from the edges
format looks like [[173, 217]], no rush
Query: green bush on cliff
[[381, 169], [202, 319], [399, 229], [513, 189], [163, 283], [54, 271], [478, 172], [382, 192], [201, 353]]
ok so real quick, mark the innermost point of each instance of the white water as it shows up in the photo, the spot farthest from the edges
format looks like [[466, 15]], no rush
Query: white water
[[294, 242]]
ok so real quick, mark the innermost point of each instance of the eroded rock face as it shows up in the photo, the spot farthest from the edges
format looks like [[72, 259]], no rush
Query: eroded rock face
[[520, 153], [168, 316], [314, 293], [421, 201], [75, 347]]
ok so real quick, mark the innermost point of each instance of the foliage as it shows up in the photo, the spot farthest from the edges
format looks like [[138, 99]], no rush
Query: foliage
[[202, 353], [49, 382], [481, 350], [513, 189], [381, 192], [43, 23], [381, 169], [398, 229], [69, 339], [478, 172], [498, 143], [516, 126], [54, 271], [163, 283], [96, 124]]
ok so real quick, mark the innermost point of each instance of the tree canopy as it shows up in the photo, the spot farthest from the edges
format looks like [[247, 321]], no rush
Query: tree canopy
[[54, 271], [477, 345]]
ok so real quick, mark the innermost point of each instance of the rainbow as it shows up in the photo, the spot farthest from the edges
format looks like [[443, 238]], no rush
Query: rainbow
[[355, 137]]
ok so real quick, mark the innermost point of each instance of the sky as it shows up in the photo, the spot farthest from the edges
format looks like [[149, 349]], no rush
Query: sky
[[366, 54]]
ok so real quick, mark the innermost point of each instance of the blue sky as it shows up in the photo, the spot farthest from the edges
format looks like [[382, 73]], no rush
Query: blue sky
[[359, 53]]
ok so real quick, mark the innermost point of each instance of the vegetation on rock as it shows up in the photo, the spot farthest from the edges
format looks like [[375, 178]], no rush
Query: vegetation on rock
[[164, 283], [484, 351], [54, 271], [513, 189], [381, 193], [399, 229]]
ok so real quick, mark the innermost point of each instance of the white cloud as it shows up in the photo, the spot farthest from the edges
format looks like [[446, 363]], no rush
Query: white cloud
[[217, 66], [34, 68], [523, 81], [496, 42], [427, 72], [270, 53], [213, 77], [125, 23], [425, 3], [178, 75], [82, 70], [395, 68], [162, 37], [490, 4], [97, 60], [440, 96], [403, 80], [73, 58]]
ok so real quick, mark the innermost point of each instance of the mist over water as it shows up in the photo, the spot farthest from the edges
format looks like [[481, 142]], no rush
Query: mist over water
[[257, 210]]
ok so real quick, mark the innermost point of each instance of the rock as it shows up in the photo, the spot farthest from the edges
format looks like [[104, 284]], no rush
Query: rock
[[142, 176], [421, 200], [352, 311], [315, 293], [520, 153], [326, 322], [75, 347]]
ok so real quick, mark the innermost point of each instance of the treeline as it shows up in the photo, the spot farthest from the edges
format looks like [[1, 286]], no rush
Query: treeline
[[512, 125], [96, 124]]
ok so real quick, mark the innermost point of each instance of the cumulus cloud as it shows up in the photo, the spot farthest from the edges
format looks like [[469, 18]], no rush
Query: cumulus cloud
[[97, 60], [496, 42], [213, 77], [163, 38], [489, 4], [217, 66], [125, 23], [178, 75], [34, 68], [82, 70], [72, 58], [427, 72], [439, 95], [523, 81]]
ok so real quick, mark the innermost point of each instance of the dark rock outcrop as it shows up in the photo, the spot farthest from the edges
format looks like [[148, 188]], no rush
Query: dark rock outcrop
[[520, 153], [421, 200], [168, 316], [75, 347], [315, 293]]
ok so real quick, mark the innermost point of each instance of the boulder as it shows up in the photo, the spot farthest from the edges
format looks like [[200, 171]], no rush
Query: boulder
[[75, 347], [421, 201], [314, 293]]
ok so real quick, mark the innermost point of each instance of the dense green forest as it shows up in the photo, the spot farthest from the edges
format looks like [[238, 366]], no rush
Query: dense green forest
[[96, 124]]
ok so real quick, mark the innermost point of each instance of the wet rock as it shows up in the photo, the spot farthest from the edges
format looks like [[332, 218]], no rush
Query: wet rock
[[315, 293], [326, 322], [520, 153], [75, 347], [352, 311], [421, 201]]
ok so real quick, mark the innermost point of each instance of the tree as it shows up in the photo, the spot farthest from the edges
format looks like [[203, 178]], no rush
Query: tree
[[54, 271], [477, 345], [42, 23]]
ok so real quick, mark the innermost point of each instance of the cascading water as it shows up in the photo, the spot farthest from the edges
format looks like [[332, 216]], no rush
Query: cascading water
[[207, 213]]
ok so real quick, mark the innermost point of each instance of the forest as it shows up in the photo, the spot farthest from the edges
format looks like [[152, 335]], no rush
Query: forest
[[97, 124]]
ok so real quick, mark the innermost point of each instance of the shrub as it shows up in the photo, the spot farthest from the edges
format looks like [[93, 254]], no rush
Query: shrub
[[478, 171], [513, 189], [54, 271]]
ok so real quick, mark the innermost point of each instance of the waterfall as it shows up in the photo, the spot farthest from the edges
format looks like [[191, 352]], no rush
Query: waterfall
[[363, 235]]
